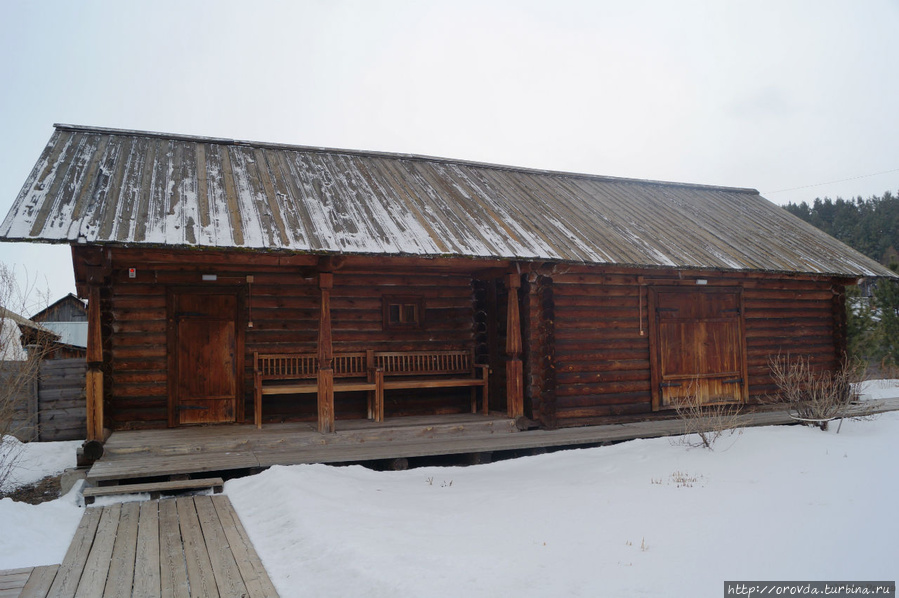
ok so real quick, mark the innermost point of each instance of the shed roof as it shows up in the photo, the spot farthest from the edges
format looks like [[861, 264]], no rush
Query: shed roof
[[107, 186]]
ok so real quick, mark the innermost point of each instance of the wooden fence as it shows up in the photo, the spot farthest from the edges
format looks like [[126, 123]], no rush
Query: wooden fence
[[52, 406]]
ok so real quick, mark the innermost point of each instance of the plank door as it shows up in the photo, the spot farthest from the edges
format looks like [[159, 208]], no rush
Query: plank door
[[205, 355], [698, 345]]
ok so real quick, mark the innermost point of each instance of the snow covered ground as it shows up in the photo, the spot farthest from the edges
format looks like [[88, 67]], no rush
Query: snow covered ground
[[642, 518], [32, 535]]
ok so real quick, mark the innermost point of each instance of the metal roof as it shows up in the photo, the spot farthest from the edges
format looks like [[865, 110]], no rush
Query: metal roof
[[106, 186]]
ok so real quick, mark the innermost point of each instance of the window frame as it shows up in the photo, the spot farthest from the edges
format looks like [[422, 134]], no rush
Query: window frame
[[403, 301]]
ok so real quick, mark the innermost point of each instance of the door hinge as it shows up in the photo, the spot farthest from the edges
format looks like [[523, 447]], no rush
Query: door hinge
[[669, 384], [733, 381], [190, 407]]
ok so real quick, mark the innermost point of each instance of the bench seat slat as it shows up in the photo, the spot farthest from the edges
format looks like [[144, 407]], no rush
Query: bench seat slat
[[289, 389], [436, 383]]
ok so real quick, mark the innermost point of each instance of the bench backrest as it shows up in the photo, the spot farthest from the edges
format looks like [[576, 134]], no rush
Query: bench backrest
[[427, 363], [294, 366]]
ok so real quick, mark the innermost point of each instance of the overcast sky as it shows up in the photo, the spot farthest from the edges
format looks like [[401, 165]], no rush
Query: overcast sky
[[785, 97]]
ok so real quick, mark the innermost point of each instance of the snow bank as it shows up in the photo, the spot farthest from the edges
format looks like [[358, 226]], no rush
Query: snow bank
[[38, 534], [37, 460], [642, 518]]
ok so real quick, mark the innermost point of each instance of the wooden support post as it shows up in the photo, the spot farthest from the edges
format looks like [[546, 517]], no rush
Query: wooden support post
[[514, 369], [94, 389], [840, 334], [325, 357]]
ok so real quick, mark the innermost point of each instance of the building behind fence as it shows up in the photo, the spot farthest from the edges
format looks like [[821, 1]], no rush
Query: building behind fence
[[52, 407]]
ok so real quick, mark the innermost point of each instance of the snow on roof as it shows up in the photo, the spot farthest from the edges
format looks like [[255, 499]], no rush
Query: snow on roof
[[112, 187]]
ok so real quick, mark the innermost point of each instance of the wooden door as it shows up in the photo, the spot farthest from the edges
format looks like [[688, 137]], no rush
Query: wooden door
[[698, 345], [205, 357]]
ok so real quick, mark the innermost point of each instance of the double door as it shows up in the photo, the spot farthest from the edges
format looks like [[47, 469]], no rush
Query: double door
[[699, 345]]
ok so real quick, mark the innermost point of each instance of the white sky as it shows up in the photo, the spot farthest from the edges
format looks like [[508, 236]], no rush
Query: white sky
[[772, 95]]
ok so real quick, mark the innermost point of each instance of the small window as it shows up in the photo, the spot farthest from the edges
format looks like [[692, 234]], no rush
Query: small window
[[403, 312]]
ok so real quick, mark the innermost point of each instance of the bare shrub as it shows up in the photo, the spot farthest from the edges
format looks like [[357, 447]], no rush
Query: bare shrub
[[19, 369], [817, 396], [704, 423]]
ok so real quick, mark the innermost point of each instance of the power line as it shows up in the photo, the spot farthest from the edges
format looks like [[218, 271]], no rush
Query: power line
[[854, 178]]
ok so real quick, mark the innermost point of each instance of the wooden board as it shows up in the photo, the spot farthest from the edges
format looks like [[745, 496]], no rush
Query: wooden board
[[12, 581], [39, 581], [147, 582], [153, 488]]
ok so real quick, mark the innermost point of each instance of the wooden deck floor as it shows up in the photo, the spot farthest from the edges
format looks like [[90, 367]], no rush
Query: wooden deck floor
[[184, 547], [188, 451]]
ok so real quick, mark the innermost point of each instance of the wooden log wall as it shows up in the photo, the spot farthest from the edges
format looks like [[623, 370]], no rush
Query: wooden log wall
[[358, 324], [586, 332], [282, 305], [538, 331], [794, 317], [602, 354], [602, 361]]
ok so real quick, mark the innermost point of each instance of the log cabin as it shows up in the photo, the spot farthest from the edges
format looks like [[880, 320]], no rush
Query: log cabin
[[231, 281]]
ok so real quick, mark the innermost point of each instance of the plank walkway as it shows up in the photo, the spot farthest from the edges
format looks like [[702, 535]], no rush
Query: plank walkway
[[191, 451], [181, 547]]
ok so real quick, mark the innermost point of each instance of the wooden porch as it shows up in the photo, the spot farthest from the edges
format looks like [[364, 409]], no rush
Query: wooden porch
[[200, 451]]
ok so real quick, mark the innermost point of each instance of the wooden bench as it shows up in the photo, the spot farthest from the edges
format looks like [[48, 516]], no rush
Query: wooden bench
[[297, 373], [428, 369]]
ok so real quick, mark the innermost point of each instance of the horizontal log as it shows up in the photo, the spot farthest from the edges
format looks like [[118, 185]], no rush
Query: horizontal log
[[123, 315], [752, 303], [767, 328], [594, 334], [819, 312], [788, 295], [308, 313], [424, 279], [144, 365], [140, 390], [140, 377], [286, 302], [574, 315], [136, 288], [138, 302], [138, 327], [602, 365], [124, 256], [138, 340], [596, 278], [600, 377], [610, 388], [570, 414], [603, 349], [598, 415], [140, 353], [560, 290]]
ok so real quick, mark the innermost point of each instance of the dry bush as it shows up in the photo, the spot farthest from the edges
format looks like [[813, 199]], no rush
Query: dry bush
[[705, 424], [18, 372], [818, 396]]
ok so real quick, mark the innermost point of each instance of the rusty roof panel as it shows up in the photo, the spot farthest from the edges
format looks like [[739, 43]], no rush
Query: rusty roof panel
[[107, 186]]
